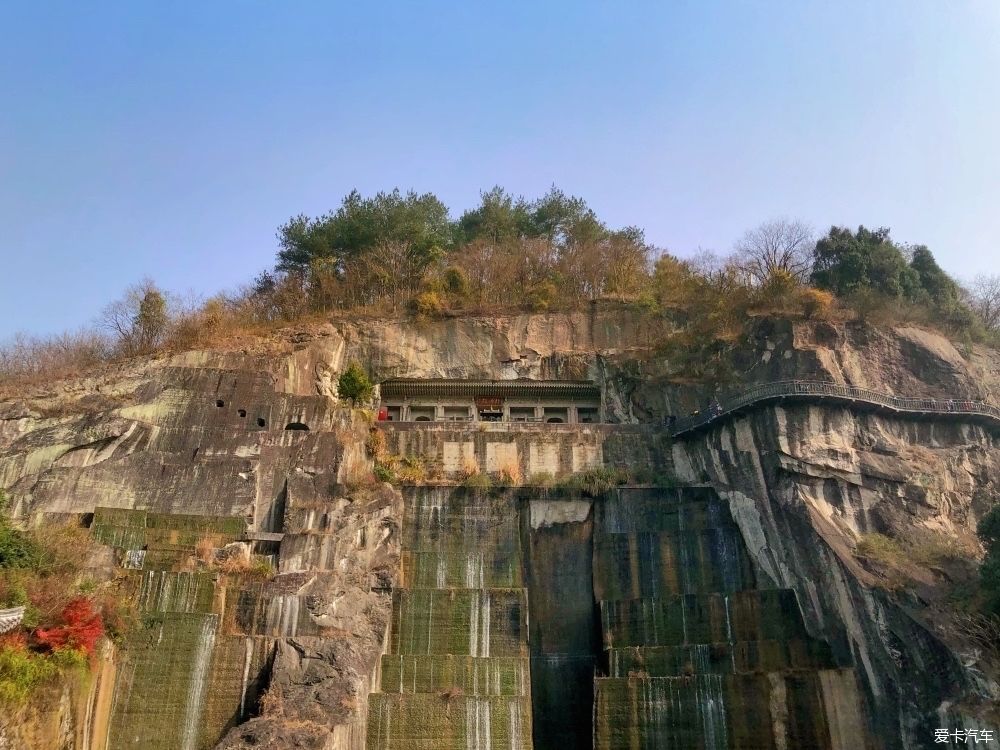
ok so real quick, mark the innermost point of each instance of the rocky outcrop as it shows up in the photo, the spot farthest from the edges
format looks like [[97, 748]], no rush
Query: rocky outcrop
[[805, 483]]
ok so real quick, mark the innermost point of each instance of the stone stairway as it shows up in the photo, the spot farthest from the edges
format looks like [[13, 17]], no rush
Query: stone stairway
[[698, 656], [456, 672]]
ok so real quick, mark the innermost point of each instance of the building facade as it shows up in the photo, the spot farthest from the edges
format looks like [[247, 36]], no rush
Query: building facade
[[446, 400]]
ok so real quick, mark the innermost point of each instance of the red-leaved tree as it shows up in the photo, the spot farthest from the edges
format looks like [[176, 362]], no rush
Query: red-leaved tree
[[81, 628]]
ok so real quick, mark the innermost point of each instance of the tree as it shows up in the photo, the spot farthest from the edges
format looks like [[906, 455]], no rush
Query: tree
[[609, 263], [983, 296], [776, 245], [420, 222], [561, 218], [389, 271], [989, 573], [674, 281], [846, 262], [500, 217], [139, 320], [456, 282], [939, 286], [354, 384]]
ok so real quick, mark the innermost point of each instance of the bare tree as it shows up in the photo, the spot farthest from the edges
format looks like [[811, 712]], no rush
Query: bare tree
[[984, 299], [26, 357], [776, 245], [138, 321]]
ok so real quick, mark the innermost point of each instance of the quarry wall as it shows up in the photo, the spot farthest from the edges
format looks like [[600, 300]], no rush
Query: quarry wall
[[798, 487]]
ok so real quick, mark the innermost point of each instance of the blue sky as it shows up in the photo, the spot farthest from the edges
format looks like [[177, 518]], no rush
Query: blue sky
[[170, 139]]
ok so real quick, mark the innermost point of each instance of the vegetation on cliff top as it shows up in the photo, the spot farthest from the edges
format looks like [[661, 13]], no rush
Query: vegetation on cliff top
[[401, 252]]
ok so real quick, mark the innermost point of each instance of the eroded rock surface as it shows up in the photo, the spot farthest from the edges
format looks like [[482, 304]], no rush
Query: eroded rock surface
[[203, 434], [804, 483]]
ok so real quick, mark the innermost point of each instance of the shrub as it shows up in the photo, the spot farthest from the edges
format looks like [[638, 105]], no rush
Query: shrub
[[933, 548], [17, 548], [816, 303], [21, 671], [989, 573], [375, 443], [32, 359], [541, 479], [456, 282], [119, 613], [595, 481], [261, 567], [981, 630], [510, 474], [427, 304], [541, 295], [470, 466], [451, 693], [354, 384], [777, 290], [477, 481], [988, 529], [81, 627], [204, 550], [412, 470], [383, 472], [880, 548]]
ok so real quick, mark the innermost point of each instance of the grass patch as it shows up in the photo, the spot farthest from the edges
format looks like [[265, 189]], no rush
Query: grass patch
[[594, 482], [477, 481], [881, 548], [411, 470]]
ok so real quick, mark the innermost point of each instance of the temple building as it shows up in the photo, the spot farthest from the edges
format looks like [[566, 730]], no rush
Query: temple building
[[446, 400]]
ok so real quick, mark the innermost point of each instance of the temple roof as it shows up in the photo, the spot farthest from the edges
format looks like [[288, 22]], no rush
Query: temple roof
[[520, 388]]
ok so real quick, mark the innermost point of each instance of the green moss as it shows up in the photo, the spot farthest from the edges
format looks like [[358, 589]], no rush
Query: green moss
[[157, 678], [464, 675]]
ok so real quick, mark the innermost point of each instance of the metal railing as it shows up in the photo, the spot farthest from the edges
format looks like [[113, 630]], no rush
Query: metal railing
[[823, 390]]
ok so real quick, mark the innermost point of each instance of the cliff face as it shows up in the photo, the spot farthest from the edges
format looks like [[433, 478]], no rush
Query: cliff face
[[203, 434], [804, 483]]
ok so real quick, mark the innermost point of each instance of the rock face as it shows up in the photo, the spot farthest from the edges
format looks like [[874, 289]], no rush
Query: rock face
[[184, 463], [166, 457], [804, 483]]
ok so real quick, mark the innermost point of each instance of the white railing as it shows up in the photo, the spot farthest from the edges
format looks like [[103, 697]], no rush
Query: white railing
[[823, 390], [10, 619]]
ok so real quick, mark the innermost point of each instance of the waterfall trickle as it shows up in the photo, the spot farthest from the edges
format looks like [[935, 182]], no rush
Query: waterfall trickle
[[196, 688], [456, 674], [247, 658]]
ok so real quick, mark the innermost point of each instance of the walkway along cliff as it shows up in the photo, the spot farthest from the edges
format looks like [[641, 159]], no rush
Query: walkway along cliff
[[625, 580]]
